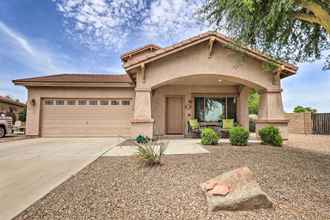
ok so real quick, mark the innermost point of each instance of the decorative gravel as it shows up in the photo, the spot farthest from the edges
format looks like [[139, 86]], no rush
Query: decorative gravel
[[298, 182]]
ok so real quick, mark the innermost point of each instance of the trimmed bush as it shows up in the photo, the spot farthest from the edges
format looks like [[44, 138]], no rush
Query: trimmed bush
[[271, 135], [238, 136], [209, 137], [150, 153], [141, 139]]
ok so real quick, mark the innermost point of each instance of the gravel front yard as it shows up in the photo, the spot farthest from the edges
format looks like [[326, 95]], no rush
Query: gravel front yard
[[298, 181]]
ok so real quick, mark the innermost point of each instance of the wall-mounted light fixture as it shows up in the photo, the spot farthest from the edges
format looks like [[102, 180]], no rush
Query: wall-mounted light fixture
[[33, 102]]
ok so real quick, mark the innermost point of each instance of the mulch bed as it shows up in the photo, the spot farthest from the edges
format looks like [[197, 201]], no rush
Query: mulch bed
[[118, 188]]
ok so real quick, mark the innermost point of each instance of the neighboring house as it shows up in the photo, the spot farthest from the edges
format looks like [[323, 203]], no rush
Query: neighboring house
[[205, 77], [8, 105]]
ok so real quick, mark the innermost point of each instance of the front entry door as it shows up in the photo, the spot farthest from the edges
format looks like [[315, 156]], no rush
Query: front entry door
[[174, 115]]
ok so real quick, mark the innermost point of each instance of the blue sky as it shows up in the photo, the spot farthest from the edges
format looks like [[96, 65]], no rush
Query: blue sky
[[39, 37]]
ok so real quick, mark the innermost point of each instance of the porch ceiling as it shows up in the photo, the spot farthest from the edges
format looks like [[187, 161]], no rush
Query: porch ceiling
[[203, 81]]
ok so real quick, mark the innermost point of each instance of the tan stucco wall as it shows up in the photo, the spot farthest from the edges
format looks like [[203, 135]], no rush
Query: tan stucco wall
[[195, 61], [300, 123], [242, 107], [37, 93], [158, 103]]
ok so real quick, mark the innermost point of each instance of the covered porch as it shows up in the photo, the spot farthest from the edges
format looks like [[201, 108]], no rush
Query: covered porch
[[207, 98]]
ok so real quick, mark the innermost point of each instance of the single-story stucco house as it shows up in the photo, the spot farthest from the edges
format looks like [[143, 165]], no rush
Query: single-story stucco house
[[205, 77]]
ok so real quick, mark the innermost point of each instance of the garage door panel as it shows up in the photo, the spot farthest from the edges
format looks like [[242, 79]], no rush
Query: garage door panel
[[82, 116], [85, 120]]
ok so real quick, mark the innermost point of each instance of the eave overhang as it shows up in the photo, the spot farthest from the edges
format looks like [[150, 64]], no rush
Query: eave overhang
[[72, 84]]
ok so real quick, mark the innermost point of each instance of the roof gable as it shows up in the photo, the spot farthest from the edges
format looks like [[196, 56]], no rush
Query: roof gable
[[160, 53], [147, 49]]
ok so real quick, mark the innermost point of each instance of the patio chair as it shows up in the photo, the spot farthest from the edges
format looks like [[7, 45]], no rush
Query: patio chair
[[227, 124], [194, 128]]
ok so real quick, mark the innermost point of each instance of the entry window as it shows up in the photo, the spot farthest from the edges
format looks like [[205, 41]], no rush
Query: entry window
[[104, 102], [82, 102], [59, 102], [71, 102], [49, 102], [92, 102], [213, 109], [114, 102], [125, 102]]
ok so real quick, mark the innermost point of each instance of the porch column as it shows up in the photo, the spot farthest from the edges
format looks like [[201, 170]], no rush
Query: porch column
[[142, 122], [271, 112], [243, 110]]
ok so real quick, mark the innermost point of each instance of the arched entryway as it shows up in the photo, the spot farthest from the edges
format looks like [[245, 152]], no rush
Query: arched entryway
[[209, 98]]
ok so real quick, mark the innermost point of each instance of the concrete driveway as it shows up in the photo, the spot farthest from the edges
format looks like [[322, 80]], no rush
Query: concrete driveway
[[29, 169]]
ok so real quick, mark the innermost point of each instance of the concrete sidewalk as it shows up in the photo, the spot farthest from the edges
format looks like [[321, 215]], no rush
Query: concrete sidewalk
[[31, 168]]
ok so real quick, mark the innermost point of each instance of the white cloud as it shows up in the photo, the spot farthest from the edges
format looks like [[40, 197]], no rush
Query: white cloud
[[22, 50], [101, 24], [173, 20], [20, 40], [17, 51]]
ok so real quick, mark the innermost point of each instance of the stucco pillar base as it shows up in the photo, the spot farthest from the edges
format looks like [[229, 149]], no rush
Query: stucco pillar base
[[142, 127], [282, 125], [271, 112]]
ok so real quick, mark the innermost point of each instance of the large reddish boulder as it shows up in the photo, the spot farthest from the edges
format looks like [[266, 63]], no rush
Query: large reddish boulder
[[235, 190]]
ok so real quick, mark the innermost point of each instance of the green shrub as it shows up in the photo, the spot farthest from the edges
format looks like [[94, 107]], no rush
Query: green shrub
[[271, 135], [22, 115], [238, 136], [209, 137], [141, 139], [150, 153]]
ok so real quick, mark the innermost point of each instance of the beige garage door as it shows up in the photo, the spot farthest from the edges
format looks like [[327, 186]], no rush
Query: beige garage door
[[86, 117]]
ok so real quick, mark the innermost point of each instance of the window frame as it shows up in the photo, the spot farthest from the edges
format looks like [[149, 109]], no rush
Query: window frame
[[104, 101], [225, 110], [48, 101], [93, 102], [127, 102], [71, 102], [59, 102], [81, 101], [115, 101]]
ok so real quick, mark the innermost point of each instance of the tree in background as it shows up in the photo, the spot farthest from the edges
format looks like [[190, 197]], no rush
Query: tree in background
[[22, 115], [300, 108], [253, 103], [291, 30]]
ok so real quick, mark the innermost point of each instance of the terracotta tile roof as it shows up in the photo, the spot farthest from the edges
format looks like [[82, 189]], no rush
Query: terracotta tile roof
[[199, 38], [79, 78], [10, 101]]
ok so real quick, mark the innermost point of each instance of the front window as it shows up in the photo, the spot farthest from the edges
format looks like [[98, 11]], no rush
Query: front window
[[213, 109]]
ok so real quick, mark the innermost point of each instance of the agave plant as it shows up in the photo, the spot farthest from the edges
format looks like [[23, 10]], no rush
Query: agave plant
[[150, 153]]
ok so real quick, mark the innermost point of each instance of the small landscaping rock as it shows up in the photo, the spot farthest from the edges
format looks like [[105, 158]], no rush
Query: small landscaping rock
[[235, 190]]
